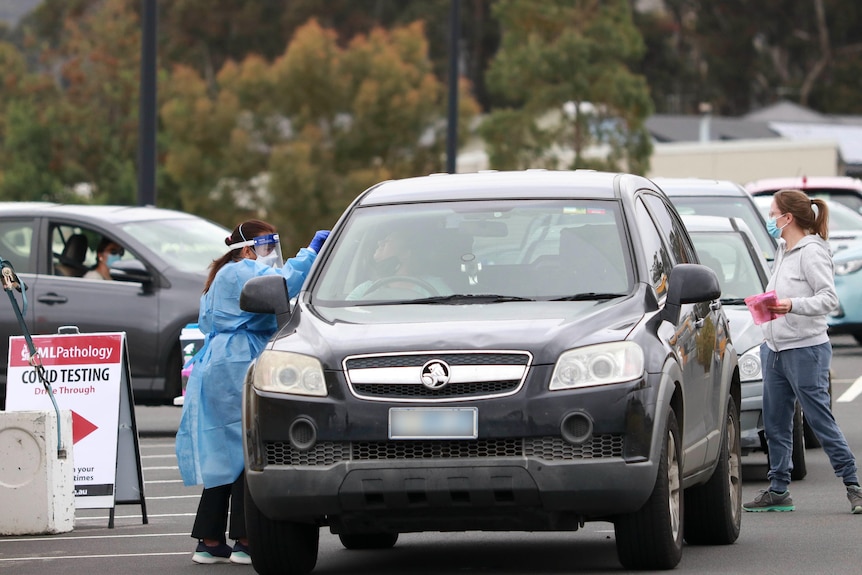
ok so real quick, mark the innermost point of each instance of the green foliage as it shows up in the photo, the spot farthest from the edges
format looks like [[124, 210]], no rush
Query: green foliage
[[295, 140], [564, 68]]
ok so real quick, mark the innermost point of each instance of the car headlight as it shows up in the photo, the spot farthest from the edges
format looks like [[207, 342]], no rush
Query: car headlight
[[601, 364], [848, 267], [283, 372], [749, 365]]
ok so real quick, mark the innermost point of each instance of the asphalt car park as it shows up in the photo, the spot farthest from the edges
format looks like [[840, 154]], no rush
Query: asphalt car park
[[155, 292]]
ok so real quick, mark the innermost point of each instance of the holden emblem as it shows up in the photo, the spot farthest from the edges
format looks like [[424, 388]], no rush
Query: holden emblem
[[435, 374]]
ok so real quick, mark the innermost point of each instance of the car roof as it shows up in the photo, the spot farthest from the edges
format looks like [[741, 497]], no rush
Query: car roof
[[107, 214], [699, 187], [495, 185], [770, 185]]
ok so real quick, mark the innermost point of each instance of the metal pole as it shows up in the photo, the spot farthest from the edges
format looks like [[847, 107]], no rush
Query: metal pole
[[454, 40], [147, 106]]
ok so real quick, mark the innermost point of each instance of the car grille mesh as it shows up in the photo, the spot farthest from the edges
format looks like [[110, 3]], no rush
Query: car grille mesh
[[396, 391], [544, 448], [490, 385]]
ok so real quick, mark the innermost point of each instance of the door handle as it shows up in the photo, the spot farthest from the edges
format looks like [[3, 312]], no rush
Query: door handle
[[52, 298]]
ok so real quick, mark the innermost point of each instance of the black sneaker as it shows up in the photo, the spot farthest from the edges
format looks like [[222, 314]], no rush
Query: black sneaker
[[240, 554], [771, 501], [208, 555], [854, 494]]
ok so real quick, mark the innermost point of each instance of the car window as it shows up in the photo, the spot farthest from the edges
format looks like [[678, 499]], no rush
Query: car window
[[189, 244], [16, 244], [672, 229], [514, 248], [73, 249], [659, 262], [742, 207], [729, 256]]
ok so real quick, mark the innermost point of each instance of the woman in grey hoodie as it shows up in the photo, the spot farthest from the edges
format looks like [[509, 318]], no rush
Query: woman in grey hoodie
[[796, 354]]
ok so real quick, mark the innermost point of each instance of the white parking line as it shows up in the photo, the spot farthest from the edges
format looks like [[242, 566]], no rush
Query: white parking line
[[123, 536], [102, 556], [852, 392]]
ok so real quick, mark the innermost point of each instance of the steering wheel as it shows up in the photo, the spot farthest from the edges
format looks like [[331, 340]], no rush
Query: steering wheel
[[382, 282]]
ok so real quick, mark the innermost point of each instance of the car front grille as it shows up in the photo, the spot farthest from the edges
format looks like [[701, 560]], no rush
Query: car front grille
[[545, 448], [464, 375]]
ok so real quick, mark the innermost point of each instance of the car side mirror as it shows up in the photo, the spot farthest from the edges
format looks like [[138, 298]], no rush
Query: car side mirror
[[266, 294], [130, 271], [689, 283]]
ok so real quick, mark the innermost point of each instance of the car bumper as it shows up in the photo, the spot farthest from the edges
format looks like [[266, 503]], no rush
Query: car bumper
[[751, 416], [520, 473]]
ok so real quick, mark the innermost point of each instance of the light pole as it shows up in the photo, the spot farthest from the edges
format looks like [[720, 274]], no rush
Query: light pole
[[147, 107], [452, 131]]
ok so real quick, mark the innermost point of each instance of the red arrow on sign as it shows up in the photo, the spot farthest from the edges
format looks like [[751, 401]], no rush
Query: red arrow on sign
[[81, 427]]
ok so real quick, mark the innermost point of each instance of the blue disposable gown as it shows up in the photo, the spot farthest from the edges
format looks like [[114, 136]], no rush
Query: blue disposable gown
[[209, 439]]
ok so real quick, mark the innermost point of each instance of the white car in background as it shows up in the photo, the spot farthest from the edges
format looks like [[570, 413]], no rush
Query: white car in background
[[728, 246]]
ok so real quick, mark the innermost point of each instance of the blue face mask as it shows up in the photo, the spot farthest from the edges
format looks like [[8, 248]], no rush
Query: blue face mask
[[112, 259], [773, 228]]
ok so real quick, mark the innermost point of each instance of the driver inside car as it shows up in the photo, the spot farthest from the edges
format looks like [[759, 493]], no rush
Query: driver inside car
[[398, 272]]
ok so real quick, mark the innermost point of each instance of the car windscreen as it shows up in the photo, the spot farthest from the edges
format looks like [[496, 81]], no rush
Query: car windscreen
[[477, 252], [730, 207], [188, 244], [730, 258]]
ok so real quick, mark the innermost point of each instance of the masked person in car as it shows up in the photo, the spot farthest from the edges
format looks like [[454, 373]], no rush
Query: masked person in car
[[209, 439], [108, 253]]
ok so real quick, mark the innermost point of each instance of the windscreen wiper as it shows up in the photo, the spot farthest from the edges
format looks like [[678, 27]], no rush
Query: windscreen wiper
[[469, 298], [586, 296], [732, 301]]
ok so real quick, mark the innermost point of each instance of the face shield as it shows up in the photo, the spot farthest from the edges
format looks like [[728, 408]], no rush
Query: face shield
[[267, 249]]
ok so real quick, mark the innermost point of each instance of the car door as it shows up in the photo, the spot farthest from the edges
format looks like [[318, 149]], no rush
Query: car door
[[695, 338], [95, 305], [17, 240]]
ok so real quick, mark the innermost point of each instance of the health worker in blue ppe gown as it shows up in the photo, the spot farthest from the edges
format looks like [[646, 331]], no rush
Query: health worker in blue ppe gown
[[209, 439]]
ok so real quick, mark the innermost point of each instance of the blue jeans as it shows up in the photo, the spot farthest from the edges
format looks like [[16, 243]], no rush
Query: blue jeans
[[802, 374]]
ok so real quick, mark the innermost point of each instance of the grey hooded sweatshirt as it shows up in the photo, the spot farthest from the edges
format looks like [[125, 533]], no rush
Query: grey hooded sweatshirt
[[805, 275]]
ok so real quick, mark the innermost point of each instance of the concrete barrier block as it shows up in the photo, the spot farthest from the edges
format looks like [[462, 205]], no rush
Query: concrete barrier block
[[37, 491]]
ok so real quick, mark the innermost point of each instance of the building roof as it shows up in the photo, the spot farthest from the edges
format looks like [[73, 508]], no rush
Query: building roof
[[680, 128]]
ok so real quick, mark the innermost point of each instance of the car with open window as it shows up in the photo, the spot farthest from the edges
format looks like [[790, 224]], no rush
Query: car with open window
[[154, 291], [495, 351]]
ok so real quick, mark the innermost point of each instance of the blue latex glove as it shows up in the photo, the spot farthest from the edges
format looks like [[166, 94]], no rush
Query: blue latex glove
[[317, 241]]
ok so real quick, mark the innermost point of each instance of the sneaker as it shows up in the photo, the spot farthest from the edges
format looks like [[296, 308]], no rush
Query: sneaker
[[207, 555], [854, 494], [771, 501], [240, 554]]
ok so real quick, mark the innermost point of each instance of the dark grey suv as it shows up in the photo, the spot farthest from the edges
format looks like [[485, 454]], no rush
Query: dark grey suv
[[157, 287], [540, 350]]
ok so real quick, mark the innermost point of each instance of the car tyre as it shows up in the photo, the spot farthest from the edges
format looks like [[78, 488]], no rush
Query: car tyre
[[800, 469], [360, 541], [279, 547], [651, 538], [713, 510]]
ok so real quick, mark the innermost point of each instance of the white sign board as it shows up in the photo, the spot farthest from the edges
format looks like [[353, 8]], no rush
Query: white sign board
[[85, 372]]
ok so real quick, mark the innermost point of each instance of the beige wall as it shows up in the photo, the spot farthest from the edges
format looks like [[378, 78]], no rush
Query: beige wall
[[745, 160]]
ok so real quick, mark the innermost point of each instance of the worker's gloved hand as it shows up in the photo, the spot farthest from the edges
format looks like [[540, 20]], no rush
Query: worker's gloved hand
[[317, 241]]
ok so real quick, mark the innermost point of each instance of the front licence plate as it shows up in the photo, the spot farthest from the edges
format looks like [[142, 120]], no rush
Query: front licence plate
[[433, 423]]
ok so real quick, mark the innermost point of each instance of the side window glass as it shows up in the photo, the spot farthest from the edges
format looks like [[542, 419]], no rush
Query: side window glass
[[84, 253], [16, 244], [672, 229], [658, 260]]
